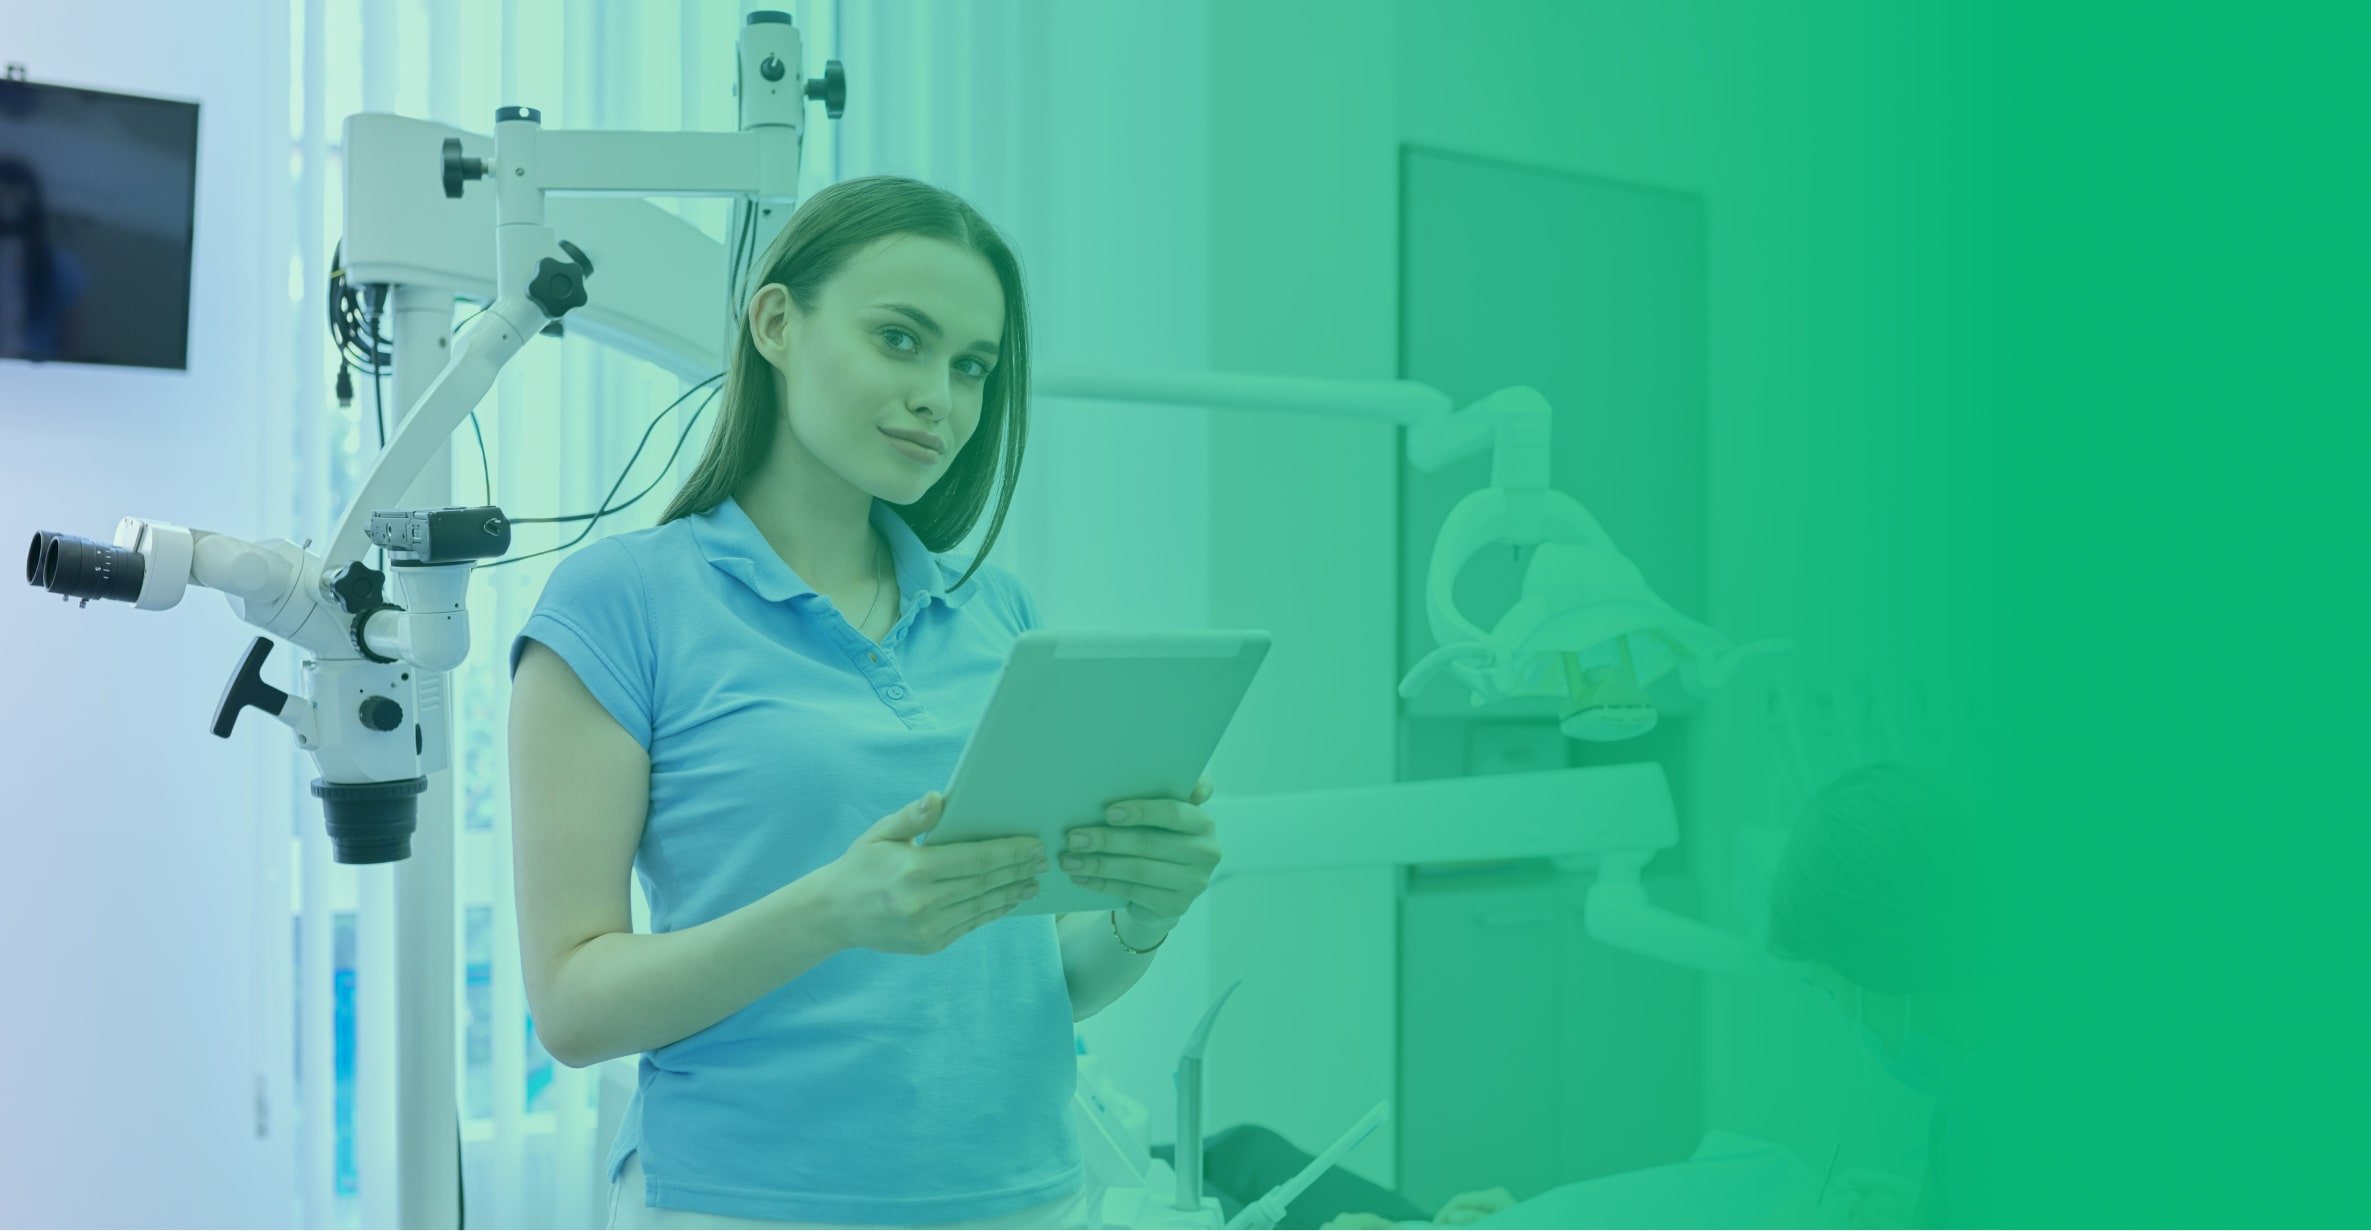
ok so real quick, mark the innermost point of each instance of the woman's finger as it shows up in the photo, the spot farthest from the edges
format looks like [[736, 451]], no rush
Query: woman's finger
[[1159, 813], [961, 913], [1157, 872], [1163, 844], [942, 895], [1169, 903], [970, 925], [960, 860]]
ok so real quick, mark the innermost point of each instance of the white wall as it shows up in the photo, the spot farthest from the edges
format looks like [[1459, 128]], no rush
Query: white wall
[[139, 1007], [1304, 542], [1800, 138], [1811, 135]]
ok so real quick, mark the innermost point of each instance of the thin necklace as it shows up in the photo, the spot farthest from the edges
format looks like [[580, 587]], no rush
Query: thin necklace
[[876, 603]]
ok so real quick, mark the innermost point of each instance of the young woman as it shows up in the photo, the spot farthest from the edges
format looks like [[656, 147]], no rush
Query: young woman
[[1872, 901], [1873, 898], [749, 704]]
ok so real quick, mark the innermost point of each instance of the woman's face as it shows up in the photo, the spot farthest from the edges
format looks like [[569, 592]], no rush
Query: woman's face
[[881, 384]]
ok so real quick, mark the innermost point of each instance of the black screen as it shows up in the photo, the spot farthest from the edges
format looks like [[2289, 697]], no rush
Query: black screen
[[96, 195]]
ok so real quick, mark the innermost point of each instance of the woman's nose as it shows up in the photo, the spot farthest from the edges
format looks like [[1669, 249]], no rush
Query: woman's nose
[[936, 396]]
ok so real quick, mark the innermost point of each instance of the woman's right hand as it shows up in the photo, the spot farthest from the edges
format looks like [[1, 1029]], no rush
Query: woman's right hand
[[1474, 1206], [888, 894]]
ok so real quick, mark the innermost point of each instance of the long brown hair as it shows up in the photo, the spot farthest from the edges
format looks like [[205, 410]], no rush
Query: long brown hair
[[827, 229]]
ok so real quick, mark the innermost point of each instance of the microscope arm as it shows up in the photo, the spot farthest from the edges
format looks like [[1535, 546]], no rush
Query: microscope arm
[[491, 340], [278, 587], [313, 601]]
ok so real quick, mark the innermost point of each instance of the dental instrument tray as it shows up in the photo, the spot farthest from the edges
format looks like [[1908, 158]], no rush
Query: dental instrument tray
[[1083, 720]]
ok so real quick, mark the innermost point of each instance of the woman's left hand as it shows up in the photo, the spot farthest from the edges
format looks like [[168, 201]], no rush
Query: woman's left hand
[[1157, 853]]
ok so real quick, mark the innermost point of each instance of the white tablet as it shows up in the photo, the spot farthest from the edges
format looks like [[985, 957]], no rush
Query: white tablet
[[1080, 721]]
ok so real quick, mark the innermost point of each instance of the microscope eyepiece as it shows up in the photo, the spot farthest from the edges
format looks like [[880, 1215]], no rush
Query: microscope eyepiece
[[81, 568]]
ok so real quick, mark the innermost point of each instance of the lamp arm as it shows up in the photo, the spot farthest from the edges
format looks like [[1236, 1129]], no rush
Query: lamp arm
[[1618, 913]]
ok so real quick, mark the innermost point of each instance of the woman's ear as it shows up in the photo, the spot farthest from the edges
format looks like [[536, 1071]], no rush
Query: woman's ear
[[770, 319]]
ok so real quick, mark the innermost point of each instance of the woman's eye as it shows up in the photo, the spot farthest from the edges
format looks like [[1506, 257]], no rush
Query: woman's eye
[[894, 333], [977, 370]]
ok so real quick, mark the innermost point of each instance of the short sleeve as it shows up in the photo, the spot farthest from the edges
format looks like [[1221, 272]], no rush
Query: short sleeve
[[594, 613], [1024, 605]]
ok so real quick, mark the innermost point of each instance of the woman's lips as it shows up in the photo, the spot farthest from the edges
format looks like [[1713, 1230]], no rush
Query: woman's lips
[[913, 445]]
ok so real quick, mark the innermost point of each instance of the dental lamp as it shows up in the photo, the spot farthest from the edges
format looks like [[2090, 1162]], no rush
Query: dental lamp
[[552, 209], [1588, 628]]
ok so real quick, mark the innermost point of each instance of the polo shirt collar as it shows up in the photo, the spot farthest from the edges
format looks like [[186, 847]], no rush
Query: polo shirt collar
[[733, 543]]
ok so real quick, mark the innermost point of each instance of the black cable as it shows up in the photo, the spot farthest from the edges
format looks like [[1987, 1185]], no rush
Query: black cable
[[749, 253], [748, 257], [359, 342], [736, 238], [638, 447], [672, 454], [732, 247], [485, 469], [378, 407], [732, 240], [741, 243], [594, 518], [355, 316], [378, 402]]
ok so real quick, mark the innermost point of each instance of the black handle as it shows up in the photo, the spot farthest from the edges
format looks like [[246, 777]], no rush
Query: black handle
[[458, 169], [247, 688], [831, 89], [558, 286]]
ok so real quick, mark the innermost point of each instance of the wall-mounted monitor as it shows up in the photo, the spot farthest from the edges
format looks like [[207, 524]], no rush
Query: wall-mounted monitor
[[97, 195]]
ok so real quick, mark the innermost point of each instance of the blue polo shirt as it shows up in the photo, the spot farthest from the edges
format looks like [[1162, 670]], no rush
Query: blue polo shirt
[[876, 1088]]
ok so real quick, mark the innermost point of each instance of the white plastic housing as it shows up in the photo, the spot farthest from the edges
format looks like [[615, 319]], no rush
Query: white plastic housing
[[165, 550]]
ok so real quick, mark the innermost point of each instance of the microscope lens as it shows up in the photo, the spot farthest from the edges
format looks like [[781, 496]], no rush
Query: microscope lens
[[34, 557], [79, 568]]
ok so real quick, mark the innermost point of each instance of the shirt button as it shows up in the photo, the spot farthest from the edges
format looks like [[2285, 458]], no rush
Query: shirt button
[[872, 658], [897, 692]]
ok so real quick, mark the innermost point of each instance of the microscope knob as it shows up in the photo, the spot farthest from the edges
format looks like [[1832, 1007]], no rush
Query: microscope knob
[[558, 287], [458, 169], [381, 713], [357, 587], [771, 69], [577, 255], [831, 88]]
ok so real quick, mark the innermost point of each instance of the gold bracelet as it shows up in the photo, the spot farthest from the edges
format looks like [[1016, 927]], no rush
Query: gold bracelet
[[1115, 935]]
